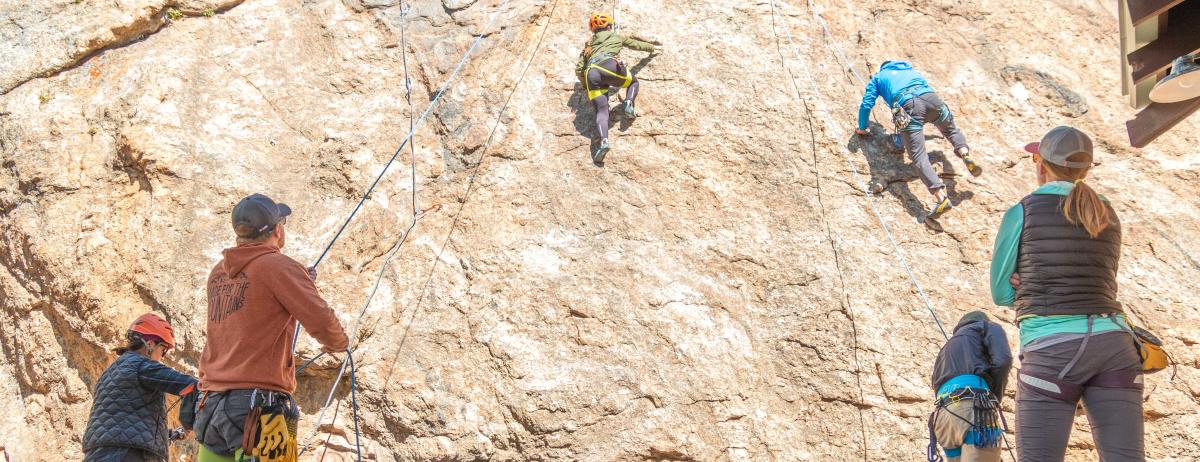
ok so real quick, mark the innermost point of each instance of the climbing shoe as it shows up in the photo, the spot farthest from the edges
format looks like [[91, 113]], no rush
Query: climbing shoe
[[630, 112], [598, 156], [972, 167], [940, 209]]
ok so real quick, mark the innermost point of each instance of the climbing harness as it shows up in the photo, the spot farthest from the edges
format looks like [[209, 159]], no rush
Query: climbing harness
[[596, 63], [1057, 387], [986, 427]]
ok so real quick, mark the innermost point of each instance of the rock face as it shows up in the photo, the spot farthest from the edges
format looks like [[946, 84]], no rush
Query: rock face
[[720, 290]]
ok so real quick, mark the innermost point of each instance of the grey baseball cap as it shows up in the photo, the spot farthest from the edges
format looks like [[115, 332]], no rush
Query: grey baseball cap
[[259, 213], [1060, 144]]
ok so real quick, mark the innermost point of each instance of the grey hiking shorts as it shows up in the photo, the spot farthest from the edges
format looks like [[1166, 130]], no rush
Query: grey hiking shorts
[[221, 423]]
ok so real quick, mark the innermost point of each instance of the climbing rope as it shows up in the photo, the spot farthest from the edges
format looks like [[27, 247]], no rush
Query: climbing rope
[[861, 184], [349, 359], [404, 10], [475, 172], [847, 306], [432, 104], [616, 10], [839, 54]]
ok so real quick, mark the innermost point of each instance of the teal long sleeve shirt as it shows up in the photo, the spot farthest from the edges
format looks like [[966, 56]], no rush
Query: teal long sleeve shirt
[[1004, 264]]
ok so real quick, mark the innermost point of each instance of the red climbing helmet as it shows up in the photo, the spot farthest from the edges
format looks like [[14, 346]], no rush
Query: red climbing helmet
[[599, 21], [151, 324]]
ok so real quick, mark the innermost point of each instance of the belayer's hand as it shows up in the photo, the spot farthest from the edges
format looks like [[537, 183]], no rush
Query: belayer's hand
[[312, 273], [1015, 280], [860, 132]]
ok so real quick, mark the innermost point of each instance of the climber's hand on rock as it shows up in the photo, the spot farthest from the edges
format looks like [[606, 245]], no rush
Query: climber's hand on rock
[[860, 132], [1015, 280], [657, 43]]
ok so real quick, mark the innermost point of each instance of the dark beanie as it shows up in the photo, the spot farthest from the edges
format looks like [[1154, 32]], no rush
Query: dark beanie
[[974, 316]]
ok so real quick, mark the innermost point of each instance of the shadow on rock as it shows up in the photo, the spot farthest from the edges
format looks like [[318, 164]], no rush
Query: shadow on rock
[[889, 171], [636, 69]]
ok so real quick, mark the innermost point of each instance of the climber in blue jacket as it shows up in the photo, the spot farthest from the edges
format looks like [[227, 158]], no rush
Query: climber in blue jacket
[[914, 103]]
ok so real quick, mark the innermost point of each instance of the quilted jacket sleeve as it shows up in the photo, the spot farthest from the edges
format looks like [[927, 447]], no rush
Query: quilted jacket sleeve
[[157, 376]]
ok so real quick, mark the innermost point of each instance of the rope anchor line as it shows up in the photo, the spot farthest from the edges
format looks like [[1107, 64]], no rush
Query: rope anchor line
[[348, 360], [839, 54]]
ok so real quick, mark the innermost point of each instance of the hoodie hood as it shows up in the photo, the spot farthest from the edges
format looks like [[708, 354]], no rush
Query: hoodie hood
[[969, 318], [237, 258], [896, 66]]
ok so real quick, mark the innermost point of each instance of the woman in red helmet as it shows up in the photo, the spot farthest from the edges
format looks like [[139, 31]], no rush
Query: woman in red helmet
[[128, 422], [599, 69]]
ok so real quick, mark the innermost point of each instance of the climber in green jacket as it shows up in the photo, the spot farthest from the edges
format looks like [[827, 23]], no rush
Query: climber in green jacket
[[599, 69]]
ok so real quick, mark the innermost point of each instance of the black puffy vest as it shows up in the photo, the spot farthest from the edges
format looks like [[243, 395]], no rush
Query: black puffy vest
[[1063, 269], [125, 414]]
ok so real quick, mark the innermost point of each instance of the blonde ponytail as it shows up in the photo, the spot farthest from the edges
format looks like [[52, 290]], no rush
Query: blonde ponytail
[[1083, 206]]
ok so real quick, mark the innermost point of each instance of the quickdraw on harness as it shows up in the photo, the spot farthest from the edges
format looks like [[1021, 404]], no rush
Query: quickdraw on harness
[[987, 425], [595, 63], [270, 428]]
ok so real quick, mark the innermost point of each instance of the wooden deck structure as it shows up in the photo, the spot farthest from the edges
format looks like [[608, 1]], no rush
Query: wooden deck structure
[[1153, 34]]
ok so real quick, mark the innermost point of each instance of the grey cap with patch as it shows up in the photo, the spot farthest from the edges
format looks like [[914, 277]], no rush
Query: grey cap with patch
[[1061, 144]]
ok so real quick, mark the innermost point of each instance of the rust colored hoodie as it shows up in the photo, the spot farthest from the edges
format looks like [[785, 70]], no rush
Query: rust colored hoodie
[[255, 297]]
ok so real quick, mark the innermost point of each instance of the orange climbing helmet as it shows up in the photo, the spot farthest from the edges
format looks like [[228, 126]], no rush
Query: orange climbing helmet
[[151, 325], [599, 21]]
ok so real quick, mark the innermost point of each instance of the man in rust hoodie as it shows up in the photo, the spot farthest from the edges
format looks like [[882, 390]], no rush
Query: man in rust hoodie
[[255, 297]]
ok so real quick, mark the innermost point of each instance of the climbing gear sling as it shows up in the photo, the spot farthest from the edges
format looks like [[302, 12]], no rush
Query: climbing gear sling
[[270, 431], [986, 427]]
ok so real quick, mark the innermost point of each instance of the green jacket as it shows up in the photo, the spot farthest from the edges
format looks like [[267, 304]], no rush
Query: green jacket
[[608, 43]]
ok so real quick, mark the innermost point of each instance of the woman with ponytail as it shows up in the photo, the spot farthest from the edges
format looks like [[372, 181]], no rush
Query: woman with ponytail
[[1055, 261], [129, 414]]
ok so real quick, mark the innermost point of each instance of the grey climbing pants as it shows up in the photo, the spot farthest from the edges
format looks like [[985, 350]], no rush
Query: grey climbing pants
[[610, 75], [1115, 414], [929, 108]]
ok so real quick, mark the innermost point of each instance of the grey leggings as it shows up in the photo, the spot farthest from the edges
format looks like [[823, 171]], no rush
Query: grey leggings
[[597, 79], [1115, 414], [923, 109]]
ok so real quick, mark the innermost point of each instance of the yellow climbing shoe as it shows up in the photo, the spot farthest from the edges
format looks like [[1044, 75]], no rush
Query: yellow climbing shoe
[[940, 209]]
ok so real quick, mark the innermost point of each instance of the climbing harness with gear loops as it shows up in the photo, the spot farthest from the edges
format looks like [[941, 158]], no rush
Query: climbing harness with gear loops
[[270, 431], [987, 426]]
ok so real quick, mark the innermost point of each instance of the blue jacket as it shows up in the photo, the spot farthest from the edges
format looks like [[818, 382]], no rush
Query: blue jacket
[[896, 82], [129, 409]]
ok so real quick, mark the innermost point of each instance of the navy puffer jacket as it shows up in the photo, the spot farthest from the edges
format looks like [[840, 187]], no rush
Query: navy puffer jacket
[[129, 407], [978, 347]]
